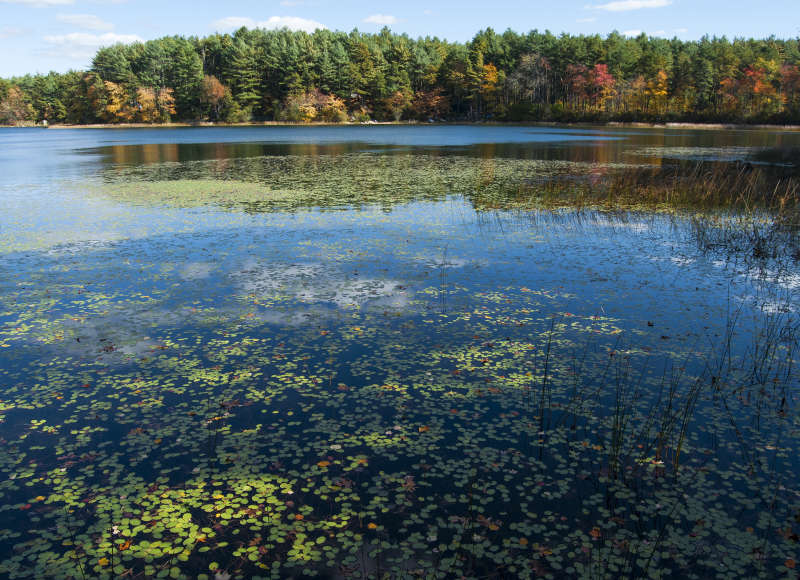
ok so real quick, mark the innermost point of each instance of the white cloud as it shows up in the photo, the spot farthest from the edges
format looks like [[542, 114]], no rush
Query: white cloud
[[637, 32], [39, 3], [681, 30], [84, 44], [9, 32], [381, 19], [626, 5], [87, 21], [234, 23], [291, 22]]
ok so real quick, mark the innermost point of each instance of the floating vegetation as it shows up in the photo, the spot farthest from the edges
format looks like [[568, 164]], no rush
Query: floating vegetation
[[274, 182], [403, 388], [765, 207], [191, 193], [726, 154], [291, 181]]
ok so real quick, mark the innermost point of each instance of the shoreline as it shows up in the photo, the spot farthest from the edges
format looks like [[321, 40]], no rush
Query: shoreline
[[610, 124], [714, 126]]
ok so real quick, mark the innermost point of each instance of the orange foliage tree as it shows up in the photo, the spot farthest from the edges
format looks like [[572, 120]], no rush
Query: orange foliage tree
[[14, 108], [212, 94], [430, 105]]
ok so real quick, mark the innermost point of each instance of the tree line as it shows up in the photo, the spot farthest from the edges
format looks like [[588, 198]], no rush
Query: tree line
[[333, 76]]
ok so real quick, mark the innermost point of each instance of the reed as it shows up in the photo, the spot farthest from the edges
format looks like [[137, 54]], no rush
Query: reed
[[702, 186], [744, 211]]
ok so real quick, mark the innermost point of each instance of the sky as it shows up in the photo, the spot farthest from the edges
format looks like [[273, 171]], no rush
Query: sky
[[37, 36]]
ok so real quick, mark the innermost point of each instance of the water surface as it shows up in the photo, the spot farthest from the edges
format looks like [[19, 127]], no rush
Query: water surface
[[314, 351]]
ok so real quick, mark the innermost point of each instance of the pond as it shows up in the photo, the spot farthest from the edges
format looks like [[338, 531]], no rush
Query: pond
[[350, 352]]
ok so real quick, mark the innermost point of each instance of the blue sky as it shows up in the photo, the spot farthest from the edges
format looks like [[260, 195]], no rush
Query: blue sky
[[43, 35]]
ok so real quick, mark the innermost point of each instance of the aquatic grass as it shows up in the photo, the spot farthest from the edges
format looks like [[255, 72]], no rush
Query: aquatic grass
[[545, 399], [704, 186], [73, 541], [625, 396], [677, 412], [737, 210], [758, 236]]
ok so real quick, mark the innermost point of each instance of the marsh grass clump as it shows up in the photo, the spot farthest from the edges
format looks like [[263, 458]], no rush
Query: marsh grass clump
[[710, 186], [734, 209], [759, 236]]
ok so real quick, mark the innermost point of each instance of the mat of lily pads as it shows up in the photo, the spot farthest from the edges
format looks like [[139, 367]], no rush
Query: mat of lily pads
[[210, 375]]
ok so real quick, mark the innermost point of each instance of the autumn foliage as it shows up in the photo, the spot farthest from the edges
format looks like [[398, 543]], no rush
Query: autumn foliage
[[14, 108], [314, 106], [335, 76]]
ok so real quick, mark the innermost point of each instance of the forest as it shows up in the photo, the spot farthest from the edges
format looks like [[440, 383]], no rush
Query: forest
[[331, 76]]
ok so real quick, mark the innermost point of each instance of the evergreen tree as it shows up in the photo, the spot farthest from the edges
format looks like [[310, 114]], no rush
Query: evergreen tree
[[505, 76]]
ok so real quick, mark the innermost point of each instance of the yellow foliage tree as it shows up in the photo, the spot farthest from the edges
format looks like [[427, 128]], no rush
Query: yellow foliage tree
[[397, 103], [764, 79], [117, 109], [147, 108], [166, 104], [657, 90], [490, 82], [332, 109], [310, 105]]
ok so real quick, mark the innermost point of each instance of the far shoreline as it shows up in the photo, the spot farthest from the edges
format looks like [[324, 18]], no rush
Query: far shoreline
[[610, 124]]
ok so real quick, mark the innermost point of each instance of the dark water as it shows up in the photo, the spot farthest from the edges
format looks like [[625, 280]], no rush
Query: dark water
[[286, 352]]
